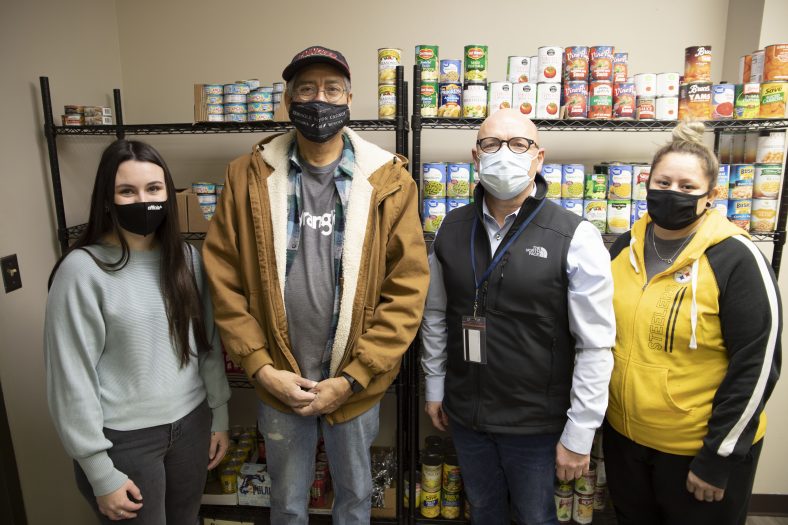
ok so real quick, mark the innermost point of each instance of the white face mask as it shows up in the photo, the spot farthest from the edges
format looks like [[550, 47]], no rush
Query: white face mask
[[505, 174]]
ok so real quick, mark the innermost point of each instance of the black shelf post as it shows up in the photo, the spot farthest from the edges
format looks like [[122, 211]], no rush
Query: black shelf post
[[120, 132], [54, 165]]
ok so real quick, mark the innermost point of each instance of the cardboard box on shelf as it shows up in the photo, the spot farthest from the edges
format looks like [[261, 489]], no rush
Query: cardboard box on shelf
[[190, 216], [254, 485], [200, 103], [388, 510], [213, 495]]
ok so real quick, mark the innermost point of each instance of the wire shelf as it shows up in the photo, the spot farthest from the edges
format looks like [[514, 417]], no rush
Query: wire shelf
[[609, 125], [204, 128]]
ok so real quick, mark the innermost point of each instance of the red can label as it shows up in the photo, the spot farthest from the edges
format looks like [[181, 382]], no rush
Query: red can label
[[317, 494], [620, 67], [624, 100], [576, 59], [600, 96], [646, 108], [601, 62], [576, 99]]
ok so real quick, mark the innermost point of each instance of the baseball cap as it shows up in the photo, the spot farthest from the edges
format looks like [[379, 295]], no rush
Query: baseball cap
[[314, 55]]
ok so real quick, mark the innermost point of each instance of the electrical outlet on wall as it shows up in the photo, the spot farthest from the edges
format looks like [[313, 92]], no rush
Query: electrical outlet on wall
[[12, 279]]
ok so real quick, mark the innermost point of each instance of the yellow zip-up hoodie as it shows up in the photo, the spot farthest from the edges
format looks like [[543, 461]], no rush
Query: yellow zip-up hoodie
[[697, 347]]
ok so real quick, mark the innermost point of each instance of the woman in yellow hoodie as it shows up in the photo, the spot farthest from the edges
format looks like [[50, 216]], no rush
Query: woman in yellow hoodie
[[697, 351]]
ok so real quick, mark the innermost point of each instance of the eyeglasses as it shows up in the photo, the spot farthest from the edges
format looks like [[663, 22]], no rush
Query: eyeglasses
[[515, 144], [308, 92]]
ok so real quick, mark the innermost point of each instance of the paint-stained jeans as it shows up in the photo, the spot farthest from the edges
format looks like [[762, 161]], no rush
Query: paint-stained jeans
[[290, 444]]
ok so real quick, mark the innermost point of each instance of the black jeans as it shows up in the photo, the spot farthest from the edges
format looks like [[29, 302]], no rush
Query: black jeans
[[649, 487], [167, 462]]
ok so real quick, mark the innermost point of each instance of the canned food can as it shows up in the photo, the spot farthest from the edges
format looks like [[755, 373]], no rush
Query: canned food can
[[639, 209], [430, 503], [721, 206], [427, 58], [229, 480], [388, 60], [450, 505], [576, 64], [771, 148], [745, 69], [573, 205], [253, 83], [775, 64], [722, 98], [646, 84], [317, 493], [695, 101], [646, 109], [600, 498], [214, 99], [595, 186], [748, 101], [619, 181], [600, 100], [278, 87], [499, 96], [640, 175], [260, 107], [548, 100], [235, 108], [585, 483], [583, 508], [624, 102], [216, 118], [601, 63], [723, 182], [667, 108], [74, 120], [449, 100], [406, 490], [215, 109], [387, 102], [238, 88], [276, 97], [620, 67], [259, 96], [518, 69], [576, 99], [235, 99], [564, 487], [550, 60], [213, 89], [763, 216], [433, 180], [434, 213], [766, 184], [572, 181], [739, 212], [756, 68], [773, 100], [595, 212], [524, 98], [429, 99], [453, 204], [552, 174], [260, 116], [475, 64], [563, 507], [601, 472], [668, 84], [619, 215], [204, 188], [458, 180], [741, 180], [697, 64], [534, 75], [474, 101], [450, 71]]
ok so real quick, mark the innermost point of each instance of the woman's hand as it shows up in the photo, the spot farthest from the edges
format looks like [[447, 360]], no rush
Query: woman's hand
[[220, 441], [117, 505], [703, 491]]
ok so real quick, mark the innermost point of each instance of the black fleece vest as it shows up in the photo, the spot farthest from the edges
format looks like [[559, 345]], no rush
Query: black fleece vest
[[524, 387]]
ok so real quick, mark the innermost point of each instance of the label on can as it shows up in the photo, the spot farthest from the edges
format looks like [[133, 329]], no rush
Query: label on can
[[576, 99], [771, 148], [563, 507], [260, 107], [572, 181], [739, 212], [433, 180], [601, 62], [619, 182], [534, 75], [550, 60], [450, 100], [619, 214], [646, 84], [499, 96], [763, 217], [213, 89], [214, 99], [552, 174], [427, 58], [429, 99], [639, 209], [773, 100], [452, 479], [388, 60], [573, 205], [722, 98], [387, 102], [454, 203], [741, 180], [235, 99], [745, 69], [215, 109], [474, 102], [585, 483], [723, 182], [620, 67], [646, 109], [524, 98], [695, 101], [595, 186], [766, 184], [775, 64], [583, 508], [640, 174], [450, 505], [748, 101], [450, 71], [697, 64], [600, 498], [667, 108], [235, 108], [576, 64], [430, 503], [518, 69], [600, 100], [458, 179], [548, 100], [756, 67], [668, 85], [475, 64], [624, 100], [434, 213]]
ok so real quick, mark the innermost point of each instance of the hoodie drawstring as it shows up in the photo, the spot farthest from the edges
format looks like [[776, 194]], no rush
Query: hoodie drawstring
[[693, 344], [632, 260]]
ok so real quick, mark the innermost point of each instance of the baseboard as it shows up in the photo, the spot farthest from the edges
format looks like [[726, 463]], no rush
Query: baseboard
[[769, 505]]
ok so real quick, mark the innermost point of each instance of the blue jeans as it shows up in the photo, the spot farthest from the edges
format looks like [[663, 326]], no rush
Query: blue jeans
[[496, 466], [290, 444]]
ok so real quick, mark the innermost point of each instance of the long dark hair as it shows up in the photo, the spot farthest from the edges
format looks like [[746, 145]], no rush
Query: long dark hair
[[181, 296]]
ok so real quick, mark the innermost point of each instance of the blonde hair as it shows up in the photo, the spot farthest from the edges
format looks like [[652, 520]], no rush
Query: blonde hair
[[688, 138]]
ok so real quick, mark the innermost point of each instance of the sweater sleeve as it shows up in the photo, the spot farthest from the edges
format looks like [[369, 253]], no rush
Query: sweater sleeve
[[212, 362], [751, 321], [73, 344]]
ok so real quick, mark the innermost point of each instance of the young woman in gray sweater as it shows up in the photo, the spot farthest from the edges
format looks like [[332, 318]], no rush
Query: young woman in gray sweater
[[135, 374]]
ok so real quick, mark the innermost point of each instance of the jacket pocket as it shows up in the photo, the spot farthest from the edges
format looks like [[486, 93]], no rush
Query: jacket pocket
[[648, 398]]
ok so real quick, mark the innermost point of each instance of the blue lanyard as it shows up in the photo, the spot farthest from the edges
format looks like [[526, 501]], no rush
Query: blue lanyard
[[501, 251]]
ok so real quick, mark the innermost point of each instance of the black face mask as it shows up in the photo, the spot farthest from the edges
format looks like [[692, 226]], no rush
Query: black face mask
[[319, 121], [142, 218], [672, 210]]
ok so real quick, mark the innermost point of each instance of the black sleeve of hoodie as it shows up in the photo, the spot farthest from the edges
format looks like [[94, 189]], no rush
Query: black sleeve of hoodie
[[751, 321]]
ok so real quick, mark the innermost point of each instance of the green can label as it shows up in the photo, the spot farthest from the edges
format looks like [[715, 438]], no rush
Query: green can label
[[475, 63], [427, 58], [595, 186], [429, 99]]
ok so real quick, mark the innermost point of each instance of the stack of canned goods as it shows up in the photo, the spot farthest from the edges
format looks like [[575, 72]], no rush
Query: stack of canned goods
[[321, 484], [764, 83], [241, 101], [575, 502], [75, 115], [445, 186], [388, 60], [695, 92], [441, 480], [206, 195], [750, 201]]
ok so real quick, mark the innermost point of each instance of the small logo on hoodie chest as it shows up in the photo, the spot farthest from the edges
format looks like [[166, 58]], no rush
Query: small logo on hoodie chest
[[537, 251], [683, 276]]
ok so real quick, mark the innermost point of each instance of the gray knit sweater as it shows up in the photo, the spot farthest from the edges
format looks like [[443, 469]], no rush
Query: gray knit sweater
[[110, 360]]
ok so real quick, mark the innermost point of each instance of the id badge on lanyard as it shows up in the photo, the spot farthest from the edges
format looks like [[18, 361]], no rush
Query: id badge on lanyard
[[474, 333]]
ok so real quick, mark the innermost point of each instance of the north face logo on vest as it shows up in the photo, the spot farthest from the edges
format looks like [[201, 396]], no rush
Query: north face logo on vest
[[537, 251]]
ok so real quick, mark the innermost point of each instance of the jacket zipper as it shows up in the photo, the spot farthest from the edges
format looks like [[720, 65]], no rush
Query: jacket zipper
[[477, 371]]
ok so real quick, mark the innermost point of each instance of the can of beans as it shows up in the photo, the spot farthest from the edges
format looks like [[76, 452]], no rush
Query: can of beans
[[601, 63], [518, 69], [763, 215], [668, 84], [524, 98], [388, 60], [775, 65], [646, 109], [427, 58], [620, 67], [646, 84], [747, 103], [548, 100], [773, 100], [433, 177], [722, 98], [695, 101], [499, 96], [624, 101], [450, 100], [450, 71], [600, 100], [387, 102], [667, 108], [576, 99], [697, 64], [475, 64], [550, 61], [576, 63], [429, 99], [458, 180], [434, 213]]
